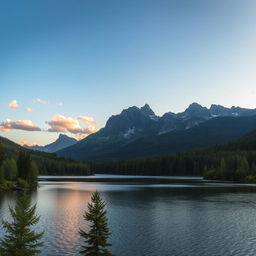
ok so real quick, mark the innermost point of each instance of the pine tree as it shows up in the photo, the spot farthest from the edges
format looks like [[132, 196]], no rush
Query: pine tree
[[96, 238], [1, 177], [27, 169], [2, 153], [20, 238], [10, 169], [23, 164]]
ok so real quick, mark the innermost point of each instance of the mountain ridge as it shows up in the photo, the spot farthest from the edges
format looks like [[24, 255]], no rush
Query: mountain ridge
[[136, 123], [62, 142]]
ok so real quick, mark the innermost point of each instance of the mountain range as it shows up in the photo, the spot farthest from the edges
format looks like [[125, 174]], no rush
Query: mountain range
[[138, 132], [62, 142]]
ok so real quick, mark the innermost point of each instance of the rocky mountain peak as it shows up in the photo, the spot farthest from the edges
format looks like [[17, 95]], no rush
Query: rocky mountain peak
[[147, 110], [195, 110]]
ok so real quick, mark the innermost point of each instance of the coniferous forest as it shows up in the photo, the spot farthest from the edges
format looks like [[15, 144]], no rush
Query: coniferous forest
[[234, 161], [20, 167]]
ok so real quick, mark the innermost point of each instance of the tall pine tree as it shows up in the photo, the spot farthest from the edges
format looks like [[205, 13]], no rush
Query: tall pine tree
[[96, 239], [20, 238], [27, 169]]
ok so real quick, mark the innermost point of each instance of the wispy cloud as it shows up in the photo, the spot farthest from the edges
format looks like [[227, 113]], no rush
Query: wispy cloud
[[26, 125], [13, 104], [26, 143], [64, 124], [59, 104], [41, 101], [28, 109], [88, 120]]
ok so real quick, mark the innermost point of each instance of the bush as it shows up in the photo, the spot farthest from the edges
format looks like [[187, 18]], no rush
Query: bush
[[22, 183]]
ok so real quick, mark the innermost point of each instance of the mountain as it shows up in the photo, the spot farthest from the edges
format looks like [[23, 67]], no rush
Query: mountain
[[63, 141], [214, 131], [139, 132]]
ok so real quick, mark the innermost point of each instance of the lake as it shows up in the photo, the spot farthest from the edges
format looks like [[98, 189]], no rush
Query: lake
[[178, 219]]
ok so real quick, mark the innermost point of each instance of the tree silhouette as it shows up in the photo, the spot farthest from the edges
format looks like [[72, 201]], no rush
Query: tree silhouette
[[20, 238], [96, 239]]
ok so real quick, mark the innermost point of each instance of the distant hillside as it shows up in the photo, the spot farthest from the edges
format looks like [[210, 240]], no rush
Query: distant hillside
[[62, 142], [48, 163], [235, 161]]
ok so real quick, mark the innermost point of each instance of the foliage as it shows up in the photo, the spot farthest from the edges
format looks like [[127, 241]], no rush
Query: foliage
[[2, 153], [48, 163], [1, 175], [10, 169], [22, 184], [20, 238], [96, 238], [6, 186], [24, 164], [213, 163], [27, 169]]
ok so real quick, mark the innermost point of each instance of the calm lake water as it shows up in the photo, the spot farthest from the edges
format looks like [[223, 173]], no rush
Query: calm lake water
[[149, 219]]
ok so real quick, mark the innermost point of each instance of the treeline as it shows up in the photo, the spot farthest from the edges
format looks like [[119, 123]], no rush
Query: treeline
[[19, 169], [21, 173], [60, 166], [235, 167], [48, 163], [211, 163]]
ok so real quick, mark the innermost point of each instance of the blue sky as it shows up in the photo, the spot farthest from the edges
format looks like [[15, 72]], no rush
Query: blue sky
[[96, 57]]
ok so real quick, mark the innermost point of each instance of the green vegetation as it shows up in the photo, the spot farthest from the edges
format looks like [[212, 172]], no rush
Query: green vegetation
[[20, 238], [48, 164], [212, 164], [234, 161], [10, 169], [18, 174], [19, 167], [96, 239]]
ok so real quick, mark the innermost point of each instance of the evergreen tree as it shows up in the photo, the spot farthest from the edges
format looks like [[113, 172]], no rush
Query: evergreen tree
[[27, 169], [96, 239], [243, 168], [2, 154], [33, 174], [10, 169], [1, 177], [20, 238], [23, 164]]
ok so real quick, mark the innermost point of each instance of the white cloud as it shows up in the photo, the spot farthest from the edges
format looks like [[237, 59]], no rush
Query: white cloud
[[13, 104], [28, 109], [41, 101], [88, 120], [25, 125], [64, 124]]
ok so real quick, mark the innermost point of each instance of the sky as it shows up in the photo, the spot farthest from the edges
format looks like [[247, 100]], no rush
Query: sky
[[66, 66]]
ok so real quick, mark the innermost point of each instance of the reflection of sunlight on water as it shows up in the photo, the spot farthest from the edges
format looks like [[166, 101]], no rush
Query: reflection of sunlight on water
[[61, 212], [152, 219]]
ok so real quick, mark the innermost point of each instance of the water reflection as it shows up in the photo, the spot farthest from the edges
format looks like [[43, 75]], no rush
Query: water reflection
[[180, 219]]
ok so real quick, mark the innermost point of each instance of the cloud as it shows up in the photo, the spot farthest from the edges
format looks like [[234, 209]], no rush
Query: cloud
[[59, 104], [25, 143], [41, 101], [88, 120], [25, 125], [28, 109], [64, 124], [13, 104]]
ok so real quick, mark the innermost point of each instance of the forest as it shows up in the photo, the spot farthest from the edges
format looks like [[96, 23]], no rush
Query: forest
[[19, 168], [234, 161]]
